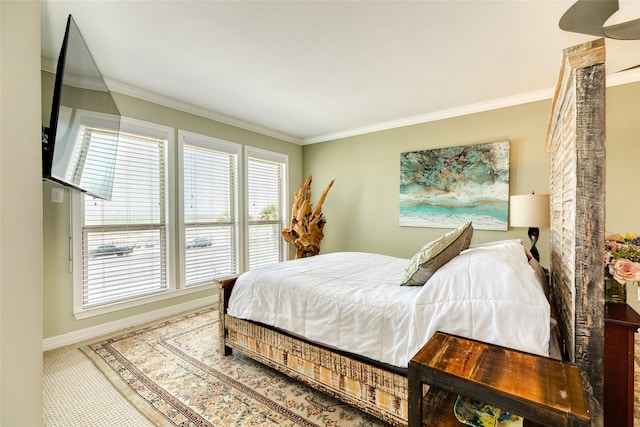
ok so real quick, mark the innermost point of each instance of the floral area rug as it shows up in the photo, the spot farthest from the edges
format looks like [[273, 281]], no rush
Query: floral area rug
[[173, 372]]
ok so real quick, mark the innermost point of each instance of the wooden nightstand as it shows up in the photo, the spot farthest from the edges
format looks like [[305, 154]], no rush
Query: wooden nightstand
[[620, 324], [540, 389]]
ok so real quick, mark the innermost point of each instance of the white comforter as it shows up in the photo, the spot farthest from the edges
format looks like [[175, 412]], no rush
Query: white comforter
[[352, 301]]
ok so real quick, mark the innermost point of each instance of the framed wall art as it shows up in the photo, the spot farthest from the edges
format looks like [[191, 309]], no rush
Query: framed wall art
[[446, 187]]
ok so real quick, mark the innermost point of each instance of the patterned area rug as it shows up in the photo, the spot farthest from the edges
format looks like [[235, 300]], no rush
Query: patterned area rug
[[173, 373]]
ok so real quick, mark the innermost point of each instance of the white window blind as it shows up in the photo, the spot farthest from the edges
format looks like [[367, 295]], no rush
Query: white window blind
[[87, 149], [124, 240], [94, 158], [266, 201], [209, 208]]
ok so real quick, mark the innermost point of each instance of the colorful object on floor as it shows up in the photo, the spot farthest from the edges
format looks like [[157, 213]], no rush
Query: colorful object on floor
[[477, 414]]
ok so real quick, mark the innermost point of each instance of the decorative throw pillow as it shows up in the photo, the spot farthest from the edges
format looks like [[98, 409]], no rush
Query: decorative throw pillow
[[435, 254]]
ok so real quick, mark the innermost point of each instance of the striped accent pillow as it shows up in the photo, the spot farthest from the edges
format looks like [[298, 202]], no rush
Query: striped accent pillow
[[435, 254]]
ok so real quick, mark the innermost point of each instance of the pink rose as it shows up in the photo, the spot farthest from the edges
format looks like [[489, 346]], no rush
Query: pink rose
[[625, 271]]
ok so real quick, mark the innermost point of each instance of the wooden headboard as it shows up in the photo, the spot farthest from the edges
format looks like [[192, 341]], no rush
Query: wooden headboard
[[576, 141]]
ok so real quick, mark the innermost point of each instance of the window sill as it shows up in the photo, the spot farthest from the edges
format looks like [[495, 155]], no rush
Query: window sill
[[136, 302]]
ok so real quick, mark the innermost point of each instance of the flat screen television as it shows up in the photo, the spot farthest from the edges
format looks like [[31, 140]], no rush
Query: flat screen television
[[79, 147]]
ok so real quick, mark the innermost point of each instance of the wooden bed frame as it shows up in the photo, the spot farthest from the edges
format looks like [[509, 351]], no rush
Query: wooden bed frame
[[576, 143], [376, 390]]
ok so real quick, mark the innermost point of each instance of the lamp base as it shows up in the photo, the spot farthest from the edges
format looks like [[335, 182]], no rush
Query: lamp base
[[534, 233]]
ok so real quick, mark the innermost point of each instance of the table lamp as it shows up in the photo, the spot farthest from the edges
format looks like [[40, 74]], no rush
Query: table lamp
[[530, 210]]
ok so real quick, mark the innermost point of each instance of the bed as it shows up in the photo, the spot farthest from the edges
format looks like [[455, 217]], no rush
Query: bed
[[373, 376], [353, 304]]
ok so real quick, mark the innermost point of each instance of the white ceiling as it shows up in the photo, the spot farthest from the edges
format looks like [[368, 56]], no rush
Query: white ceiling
[[308, 71]]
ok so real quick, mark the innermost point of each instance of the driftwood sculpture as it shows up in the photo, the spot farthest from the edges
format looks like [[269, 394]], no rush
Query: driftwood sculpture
[[305, 232]]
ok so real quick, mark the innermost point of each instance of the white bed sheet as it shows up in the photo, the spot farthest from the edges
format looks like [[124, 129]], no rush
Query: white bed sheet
[[352, 301]]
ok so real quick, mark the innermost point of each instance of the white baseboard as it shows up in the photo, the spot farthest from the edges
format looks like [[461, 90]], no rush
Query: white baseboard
[[117, 325]]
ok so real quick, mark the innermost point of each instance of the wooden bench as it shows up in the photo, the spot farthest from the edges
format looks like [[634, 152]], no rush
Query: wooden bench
[[539, 389]]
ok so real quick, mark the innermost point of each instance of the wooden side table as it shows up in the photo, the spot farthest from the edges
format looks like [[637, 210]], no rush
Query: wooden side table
[[620, 324], [540, 389]]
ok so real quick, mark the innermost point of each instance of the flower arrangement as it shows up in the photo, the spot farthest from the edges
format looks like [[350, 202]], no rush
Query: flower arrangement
[[622, 260]]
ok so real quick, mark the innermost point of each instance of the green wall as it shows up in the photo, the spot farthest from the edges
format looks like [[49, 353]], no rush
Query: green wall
[[623, 151], [58, 281], [362, 207]]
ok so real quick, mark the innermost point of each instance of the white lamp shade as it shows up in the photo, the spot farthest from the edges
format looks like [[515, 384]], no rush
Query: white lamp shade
[[529, 210]]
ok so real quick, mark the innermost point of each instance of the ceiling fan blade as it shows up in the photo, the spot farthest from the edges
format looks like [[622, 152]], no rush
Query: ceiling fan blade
[[629, 30], [588, 16]]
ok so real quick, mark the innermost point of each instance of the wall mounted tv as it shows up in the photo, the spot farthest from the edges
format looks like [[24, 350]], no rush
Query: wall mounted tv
[[79, 147]]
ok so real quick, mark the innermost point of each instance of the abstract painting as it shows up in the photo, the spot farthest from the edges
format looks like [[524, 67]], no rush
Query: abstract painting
[[446, 187]]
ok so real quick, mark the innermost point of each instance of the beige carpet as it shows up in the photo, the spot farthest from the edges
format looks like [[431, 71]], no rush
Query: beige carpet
[[77, 394], [173, 373]]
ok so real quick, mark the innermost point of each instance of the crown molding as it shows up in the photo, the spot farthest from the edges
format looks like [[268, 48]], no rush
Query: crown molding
[[614, 79], [624, 77], [49, 65], [198, 111], [437, 115]]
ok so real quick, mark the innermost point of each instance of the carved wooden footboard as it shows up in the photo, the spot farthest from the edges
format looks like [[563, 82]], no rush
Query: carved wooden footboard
[[372, 389]]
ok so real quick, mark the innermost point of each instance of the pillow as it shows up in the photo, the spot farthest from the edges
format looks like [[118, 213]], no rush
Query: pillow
[[435, 254]]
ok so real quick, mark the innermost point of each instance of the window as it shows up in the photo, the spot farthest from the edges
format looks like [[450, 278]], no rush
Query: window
[[126, 250], [123, 245], [266, 201], [209, 208]]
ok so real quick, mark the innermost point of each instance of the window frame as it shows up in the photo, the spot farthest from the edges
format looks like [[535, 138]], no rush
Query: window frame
[[271, 156], [142, 128], [215, 144]]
